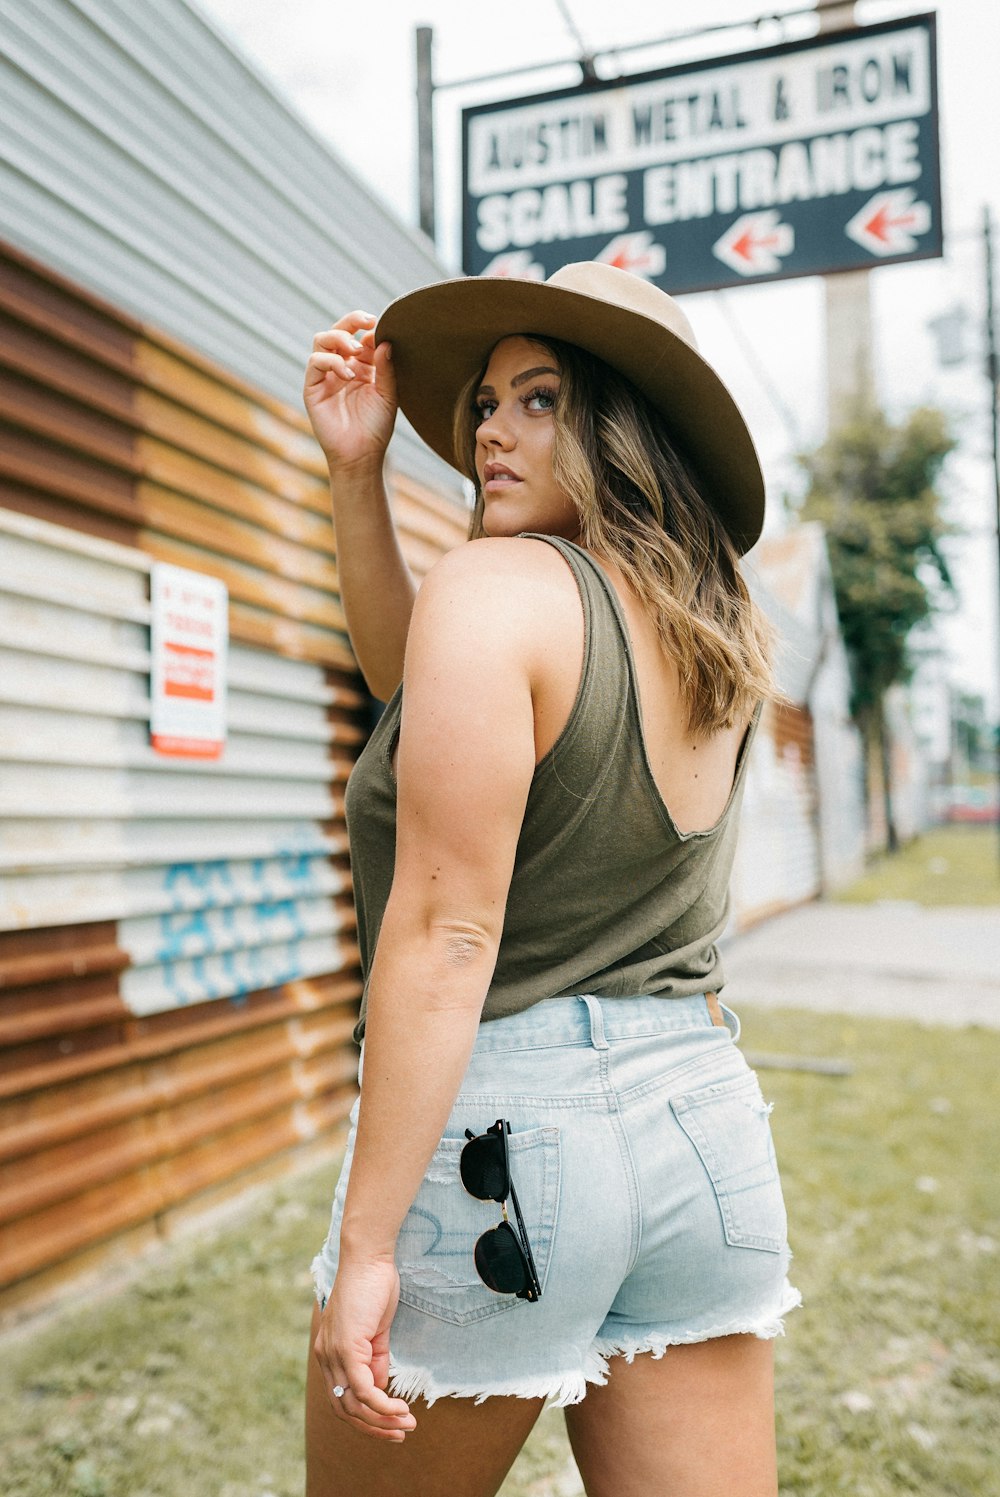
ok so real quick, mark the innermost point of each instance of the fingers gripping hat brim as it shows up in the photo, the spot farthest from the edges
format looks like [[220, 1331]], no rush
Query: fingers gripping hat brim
[[442, 335]]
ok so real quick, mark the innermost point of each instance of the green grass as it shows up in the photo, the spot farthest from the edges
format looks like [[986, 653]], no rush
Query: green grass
[[957, 865], [190, 1383]]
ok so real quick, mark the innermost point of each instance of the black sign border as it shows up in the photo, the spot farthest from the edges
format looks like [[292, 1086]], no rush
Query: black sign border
[[927, 19]]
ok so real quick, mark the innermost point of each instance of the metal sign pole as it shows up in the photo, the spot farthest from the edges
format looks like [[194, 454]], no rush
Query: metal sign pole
[[425, 128]]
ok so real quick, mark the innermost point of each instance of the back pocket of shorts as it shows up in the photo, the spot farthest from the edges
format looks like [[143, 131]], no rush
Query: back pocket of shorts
[[728, 1125], [436, 1241]]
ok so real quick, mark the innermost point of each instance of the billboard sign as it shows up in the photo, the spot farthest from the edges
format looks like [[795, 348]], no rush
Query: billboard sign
[[189, 645], [800, 159]]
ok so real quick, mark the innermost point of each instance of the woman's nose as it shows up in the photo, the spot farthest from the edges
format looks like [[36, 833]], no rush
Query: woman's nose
[[495, 430]]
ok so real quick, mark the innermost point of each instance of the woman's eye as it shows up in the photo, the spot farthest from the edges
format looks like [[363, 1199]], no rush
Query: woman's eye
[[484, 409], [541, 400]]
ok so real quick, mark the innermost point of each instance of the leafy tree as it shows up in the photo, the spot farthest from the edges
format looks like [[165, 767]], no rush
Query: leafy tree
[[873, 487]]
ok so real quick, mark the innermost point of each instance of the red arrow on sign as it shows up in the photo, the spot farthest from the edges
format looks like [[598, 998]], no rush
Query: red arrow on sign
[[640, 253], [889, 223], [755, 243], [516, 264]]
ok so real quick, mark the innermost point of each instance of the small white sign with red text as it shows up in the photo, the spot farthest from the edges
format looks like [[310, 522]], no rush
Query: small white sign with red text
[[190, 635]]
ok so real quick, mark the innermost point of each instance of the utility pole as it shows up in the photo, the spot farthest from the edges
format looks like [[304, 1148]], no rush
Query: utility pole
[[850, 378], [425, 127], [850, 381], [993, 375]]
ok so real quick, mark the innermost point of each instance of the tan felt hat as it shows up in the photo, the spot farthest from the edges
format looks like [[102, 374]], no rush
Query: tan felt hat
[[442, 335]]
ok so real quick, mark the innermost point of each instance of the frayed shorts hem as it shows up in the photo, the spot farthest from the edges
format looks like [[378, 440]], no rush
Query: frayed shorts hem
[[559, 1389], [765, 1328]]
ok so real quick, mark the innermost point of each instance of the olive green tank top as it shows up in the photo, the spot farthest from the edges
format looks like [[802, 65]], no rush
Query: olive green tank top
[[607, 896]]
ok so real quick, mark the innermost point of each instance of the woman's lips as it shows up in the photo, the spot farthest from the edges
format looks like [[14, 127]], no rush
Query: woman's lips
[[496, 477]]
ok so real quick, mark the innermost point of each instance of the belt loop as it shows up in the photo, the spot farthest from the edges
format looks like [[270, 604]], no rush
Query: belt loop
[[715, 1011], [597, 1035]]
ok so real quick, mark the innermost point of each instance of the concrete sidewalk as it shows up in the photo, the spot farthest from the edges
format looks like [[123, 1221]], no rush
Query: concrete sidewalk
[[896, 960]]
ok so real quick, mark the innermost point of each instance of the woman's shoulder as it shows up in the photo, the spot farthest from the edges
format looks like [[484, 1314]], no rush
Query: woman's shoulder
[[517, 591], [499, 573], [516, 555]]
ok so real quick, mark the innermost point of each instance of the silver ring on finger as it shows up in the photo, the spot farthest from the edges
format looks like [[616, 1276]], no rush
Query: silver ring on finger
[[338, 1390]]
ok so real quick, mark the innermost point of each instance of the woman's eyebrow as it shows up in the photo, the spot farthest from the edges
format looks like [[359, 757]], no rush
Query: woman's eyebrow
[[531, 373], [519, 379]]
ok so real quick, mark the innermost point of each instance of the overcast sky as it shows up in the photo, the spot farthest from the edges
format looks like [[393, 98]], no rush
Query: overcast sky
[[348, 69]]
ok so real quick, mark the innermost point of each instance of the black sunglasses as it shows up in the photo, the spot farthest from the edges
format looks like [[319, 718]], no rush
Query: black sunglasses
[[502, 1256]]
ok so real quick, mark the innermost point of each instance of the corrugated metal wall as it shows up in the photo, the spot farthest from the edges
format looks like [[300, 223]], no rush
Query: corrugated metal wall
[[144, 159], [178, 968]]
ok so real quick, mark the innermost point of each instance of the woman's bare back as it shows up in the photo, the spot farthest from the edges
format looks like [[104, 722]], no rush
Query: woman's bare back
[[694, 775]]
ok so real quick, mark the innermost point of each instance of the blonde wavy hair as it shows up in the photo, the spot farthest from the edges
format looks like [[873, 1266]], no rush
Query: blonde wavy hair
[[641, 509]]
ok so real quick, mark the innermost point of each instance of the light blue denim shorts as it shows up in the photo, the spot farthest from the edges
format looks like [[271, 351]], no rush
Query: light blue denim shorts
[[641, 1154]]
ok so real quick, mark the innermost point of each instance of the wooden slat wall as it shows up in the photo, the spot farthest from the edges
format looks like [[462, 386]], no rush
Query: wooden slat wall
[[178, 968]]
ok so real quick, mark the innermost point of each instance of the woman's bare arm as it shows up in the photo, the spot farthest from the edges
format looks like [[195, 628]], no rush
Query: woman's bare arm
[[466, 760], [376, 587], [350, 396]]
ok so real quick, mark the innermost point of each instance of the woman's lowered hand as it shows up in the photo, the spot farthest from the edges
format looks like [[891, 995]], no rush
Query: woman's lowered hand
[[350, 392], [352, 1347]]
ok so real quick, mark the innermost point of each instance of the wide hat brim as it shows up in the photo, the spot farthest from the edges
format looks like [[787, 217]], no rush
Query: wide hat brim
[[442, 336]]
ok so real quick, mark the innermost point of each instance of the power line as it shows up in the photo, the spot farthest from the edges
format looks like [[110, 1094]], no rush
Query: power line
[[571, 25], [619, 49], [749, 350]]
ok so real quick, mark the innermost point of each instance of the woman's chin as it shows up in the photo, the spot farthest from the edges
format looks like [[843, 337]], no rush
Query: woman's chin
[[498, 520]]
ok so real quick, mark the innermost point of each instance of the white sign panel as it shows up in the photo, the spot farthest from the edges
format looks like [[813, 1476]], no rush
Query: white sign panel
[[190, 636]]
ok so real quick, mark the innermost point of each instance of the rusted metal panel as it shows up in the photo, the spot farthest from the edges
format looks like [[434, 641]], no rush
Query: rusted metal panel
[[57, 1061], [187, 519], [165, 367], [66, 488], [250, 504], [47, 1118], [423, 516], [42, 300]]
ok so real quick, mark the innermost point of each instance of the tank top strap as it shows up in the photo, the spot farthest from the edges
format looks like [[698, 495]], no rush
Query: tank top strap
[[606, 642], [600, 714]]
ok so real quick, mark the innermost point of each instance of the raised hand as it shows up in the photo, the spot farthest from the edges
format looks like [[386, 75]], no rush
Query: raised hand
[[350, 392]]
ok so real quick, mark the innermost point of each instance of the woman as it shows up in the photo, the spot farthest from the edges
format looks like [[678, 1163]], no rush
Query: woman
[[542, 829]]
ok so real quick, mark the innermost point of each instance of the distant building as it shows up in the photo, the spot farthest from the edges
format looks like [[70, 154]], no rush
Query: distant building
[[803, 830]]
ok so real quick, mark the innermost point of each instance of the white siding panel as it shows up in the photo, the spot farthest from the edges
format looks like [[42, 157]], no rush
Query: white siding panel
[[292, 743], [33, 625], [58, 791], [180, 981], [109, 893], [87, 843], [217, 872]]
